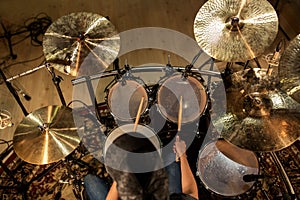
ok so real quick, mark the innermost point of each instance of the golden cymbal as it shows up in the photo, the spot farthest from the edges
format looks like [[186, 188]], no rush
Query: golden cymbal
[[263, 121], [46, 135], [289, 69], [268, 133], [235, 30], [81, 41]]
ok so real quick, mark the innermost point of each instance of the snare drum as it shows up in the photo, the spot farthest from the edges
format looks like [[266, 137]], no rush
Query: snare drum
[[194, 98], [222, 165], [124, 98]]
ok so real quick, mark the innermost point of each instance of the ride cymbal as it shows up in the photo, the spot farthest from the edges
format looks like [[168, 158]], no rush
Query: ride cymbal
[[235, 30], [46, 135], [289, 69], [81, 41]]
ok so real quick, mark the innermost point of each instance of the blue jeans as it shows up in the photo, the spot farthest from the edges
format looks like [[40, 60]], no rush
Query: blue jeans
[[174, 176], [95, 188]]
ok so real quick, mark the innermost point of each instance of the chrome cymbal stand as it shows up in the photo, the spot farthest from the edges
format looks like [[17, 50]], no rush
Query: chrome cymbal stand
[[284, 177]]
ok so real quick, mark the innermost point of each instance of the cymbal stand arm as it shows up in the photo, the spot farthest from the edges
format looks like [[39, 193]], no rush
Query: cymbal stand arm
[[284, 176], [26, 72], [56, 80], [13, 92]]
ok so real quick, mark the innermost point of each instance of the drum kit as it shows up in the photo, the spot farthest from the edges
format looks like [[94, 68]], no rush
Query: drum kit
[[259, 118]]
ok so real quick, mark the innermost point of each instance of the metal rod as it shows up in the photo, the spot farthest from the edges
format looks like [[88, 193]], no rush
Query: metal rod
[[56, 80], [14, 93], [92, 93], [26, 72], [143, 69], [284, 176]]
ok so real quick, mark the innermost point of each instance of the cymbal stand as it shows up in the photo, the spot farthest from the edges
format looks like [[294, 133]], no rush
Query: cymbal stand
[[56, 80], [284, 176], [13, 91]]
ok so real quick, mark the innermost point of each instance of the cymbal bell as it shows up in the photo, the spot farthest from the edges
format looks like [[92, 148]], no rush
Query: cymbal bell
[[46, 135], [235, 30], [289, 69], [81, 43]]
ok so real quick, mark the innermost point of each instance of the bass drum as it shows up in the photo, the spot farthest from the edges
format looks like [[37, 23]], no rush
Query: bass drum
[[124, 98], [194, 98], [221, 167]]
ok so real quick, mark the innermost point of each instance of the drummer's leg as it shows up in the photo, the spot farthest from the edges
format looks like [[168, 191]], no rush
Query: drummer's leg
[[173, 172], [174, 178], [95, 188]]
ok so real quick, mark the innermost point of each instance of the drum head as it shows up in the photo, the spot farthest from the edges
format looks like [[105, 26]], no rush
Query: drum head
[[129, 151], [194, 98], [124, 99], [222, 165], [128, 128]]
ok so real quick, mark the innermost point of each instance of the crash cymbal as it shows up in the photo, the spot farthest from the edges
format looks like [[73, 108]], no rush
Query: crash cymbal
[[289, 69], [268, 133], [81, 41], [46, 135], [235, 30], [260, 121]]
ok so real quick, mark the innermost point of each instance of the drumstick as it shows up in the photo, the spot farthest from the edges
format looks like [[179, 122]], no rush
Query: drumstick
[[138, 115], [179, 114], [179, 121]]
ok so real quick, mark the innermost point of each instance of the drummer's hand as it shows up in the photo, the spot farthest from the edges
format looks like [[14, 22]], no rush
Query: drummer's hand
[[179, 147]]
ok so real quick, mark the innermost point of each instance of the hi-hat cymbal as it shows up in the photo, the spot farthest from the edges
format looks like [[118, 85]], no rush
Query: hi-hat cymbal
[[46, 135], [235, 30], [289, 69], [82, 40]]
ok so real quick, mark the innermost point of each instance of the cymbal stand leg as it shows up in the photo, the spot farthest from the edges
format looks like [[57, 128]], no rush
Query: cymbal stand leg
[[246, 64], [257, 62], [13, 92], [56, 80], [284, 176]]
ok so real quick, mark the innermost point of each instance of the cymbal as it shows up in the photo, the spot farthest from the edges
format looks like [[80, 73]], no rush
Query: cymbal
[[261, 121], [235, 30], [268, 133], [81, 41], [289, 69], [46, 135]]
